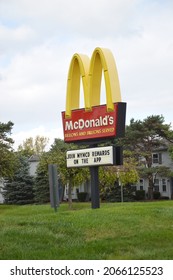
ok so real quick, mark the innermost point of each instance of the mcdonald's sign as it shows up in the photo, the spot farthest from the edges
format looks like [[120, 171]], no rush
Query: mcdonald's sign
[[95, 121]]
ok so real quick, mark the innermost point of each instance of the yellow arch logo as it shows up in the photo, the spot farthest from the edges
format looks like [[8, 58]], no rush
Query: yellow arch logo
[[91, 74]]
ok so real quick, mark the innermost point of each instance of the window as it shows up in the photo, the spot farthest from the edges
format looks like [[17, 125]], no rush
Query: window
[[156, 185], [157, 158], [164, 185], [141, 184]]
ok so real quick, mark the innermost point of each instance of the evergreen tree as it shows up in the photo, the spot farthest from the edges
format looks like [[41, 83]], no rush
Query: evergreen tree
[[19, 189], [41, 187], [67, 176], [7, 156], [144, 137]]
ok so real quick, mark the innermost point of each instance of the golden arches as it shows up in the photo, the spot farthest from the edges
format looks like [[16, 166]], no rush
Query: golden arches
[[91, 73]]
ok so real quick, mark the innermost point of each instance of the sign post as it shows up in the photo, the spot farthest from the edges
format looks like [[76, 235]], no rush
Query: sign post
[[53, 186], [93, 158], [95, 124], [95, 197]]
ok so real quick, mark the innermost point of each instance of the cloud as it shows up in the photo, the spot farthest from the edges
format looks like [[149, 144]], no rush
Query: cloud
[[38, 39], [77, 17], [41, 131]]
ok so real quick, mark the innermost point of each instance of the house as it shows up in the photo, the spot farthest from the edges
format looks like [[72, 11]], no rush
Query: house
[[84, 187], [33, 164], [160, 157], [162, 184]]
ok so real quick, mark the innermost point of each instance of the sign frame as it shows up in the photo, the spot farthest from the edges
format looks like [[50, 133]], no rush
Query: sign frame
[[90, 71], [97, 156], [96, 126]]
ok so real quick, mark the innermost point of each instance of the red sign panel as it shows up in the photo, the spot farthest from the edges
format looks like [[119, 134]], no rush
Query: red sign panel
[[97, 124]]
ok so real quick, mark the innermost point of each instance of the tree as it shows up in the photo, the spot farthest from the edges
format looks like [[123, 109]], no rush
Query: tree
[[127, 173], [33, 146], [7, 156], [171, 151], [68, 176], [41, 186], [19, 189], [142, 139], [112, 177]]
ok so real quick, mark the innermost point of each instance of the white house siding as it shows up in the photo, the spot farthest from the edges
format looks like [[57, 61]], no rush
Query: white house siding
[[167, 190], [84, 187], [166, 160], [33, 164], [164, 193], [32, 168], [1, 188], [143, 183]]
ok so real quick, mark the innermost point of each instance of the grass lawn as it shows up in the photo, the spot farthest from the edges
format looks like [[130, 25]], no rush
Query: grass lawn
[[140, 230]]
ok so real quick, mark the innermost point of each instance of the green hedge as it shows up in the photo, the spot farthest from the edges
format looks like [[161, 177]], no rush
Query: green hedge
[[156, 195], [140, 195], [82, 196]]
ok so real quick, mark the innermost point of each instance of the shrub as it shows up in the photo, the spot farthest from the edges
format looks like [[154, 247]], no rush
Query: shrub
[[82, 196], [164, 197], [113, 193], [156, 195], [140, 195]]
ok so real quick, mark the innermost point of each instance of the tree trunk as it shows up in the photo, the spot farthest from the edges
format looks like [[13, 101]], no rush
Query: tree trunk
[[150, 189], [70, 195]]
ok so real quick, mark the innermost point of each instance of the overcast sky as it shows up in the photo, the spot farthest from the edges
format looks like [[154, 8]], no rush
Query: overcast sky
[[39, 37]]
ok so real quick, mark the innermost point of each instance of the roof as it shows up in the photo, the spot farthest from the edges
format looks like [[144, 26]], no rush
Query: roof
[[34, 158]]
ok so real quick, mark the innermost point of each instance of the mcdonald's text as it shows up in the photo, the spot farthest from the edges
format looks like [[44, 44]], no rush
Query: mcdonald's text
[[95, 124], [83, 124]]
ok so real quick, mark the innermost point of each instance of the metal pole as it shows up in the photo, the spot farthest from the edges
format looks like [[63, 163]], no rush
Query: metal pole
[[122, 198], [95, 197], [53, 185], [120, 185]]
